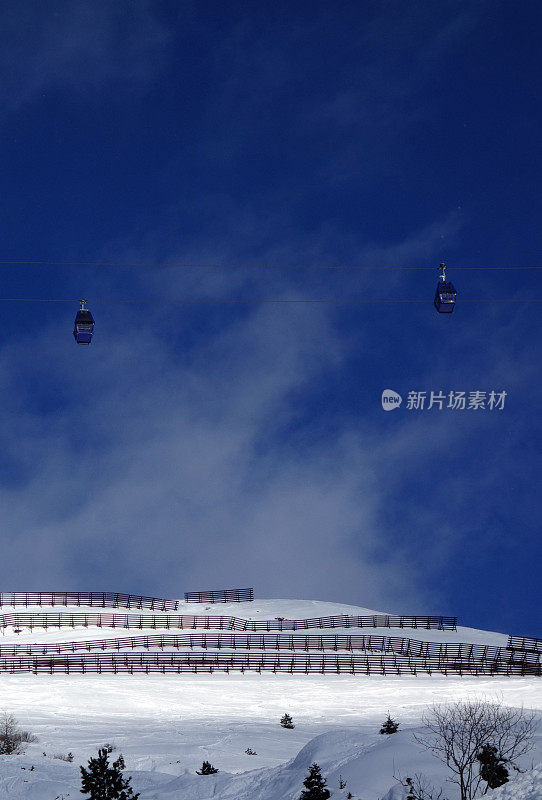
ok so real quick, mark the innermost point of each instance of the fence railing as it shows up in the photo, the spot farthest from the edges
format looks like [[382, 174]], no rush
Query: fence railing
[[100, 620], [298, 642], [386, 664], [524, 643], [103, 599], [220, 596], [117, 599]]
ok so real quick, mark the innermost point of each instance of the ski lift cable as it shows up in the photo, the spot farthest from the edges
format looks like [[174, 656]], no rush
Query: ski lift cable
[[355, 267], [258, 300]]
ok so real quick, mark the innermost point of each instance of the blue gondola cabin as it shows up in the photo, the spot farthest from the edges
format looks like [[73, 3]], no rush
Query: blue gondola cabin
[[445, 297], [83, 327]]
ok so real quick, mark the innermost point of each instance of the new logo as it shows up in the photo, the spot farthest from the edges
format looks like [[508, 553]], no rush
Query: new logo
[[390, 400]]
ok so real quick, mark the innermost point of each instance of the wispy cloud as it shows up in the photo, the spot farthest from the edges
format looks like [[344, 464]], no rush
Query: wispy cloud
[[166, 476]]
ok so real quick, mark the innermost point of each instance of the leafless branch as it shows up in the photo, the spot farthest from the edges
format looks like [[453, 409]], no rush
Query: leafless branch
[[456, 732]]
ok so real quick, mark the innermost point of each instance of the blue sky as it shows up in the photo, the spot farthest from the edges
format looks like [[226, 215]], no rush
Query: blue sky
[[207, 444]]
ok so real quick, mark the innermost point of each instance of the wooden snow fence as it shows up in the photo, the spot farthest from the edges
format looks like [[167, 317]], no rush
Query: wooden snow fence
[[303, 663], [42, 619], [260, 645], [415, 648], [103, 599], [220, 596], [526, 644]]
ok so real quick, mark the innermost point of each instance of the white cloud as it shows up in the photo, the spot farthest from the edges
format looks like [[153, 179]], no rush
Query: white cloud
[[163, 476]]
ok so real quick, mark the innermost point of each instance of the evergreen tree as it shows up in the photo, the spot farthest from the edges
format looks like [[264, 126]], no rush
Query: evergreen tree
[[390, 726], [492, 769], [102, 782], [315, 785], [207, 769], [286, 721]]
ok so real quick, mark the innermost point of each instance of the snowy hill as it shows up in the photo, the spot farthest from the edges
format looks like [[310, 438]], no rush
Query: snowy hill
[[165, 725]]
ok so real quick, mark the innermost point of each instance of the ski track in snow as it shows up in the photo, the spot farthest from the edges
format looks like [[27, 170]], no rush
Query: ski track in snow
[[166, 725]]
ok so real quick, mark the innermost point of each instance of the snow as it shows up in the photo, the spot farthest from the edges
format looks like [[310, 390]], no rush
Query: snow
[[522, 787], [166, 725]]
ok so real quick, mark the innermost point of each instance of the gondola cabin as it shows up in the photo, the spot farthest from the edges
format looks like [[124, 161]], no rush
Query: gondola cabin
[[83, 326], [445, 297]]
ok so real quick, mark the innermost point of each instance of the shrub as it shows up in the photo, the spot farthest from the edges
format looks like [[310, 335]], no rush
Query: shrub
[[11, 737], [492, 767], [207, 769], [62, 757]]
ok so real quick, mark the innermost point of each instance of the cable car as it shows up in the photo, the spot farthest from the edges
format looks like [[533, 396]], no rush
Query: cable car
[[83, 327], [445, 294]]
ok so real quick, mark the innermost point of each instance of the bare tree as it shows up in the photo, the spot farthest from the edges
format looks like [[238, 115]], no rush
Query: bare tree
[[456, 733], [419, 788], [10, 739]]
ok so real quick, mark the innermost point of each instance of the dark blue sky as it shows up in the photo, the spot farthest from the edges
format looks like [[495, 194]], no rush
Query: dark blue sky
[[210, 444]]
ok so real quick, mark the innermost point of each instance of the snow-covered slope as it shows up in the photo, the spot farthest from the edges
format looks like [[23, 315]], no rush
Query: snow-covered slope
[[166, 725], [521, 787]]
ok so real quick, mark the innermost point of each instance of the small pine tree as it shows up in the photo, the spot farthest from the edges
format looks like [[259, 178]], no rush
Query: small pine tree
[[207, 769], [492, 769], [315, 785], [390, 726], [102, 782], [286, 721], [342, 783]]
